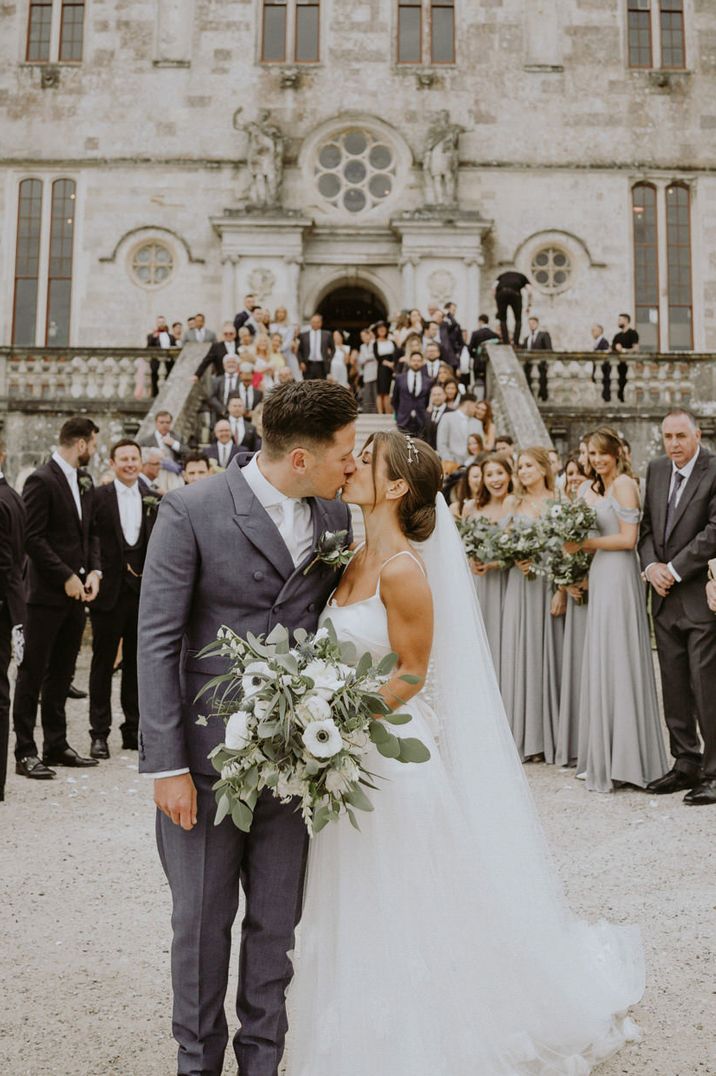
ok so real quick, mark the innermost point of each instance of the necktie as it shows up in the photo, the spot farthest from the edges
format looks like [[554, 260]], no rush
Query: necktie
[[285, 527], [235, 430], [671, 506]]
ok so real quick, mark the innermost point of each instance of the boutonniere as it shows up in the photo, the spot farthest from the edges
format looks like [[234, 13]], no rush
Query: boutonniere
[[85, 483], [151, 503], [331, 549]]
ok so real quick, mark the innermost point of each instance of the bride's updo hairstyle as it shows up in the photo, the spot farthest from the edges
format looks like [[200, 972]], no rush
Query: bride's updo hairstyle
[[419, 466]]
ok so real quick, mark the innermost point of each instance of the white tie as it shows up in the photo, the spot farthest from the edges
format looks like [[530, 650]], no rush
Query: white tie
[[285, 527]]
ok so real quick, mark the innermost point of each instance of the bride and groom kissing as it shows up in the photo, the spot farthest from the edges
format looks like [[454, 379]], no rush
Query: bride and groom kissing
[[436, 941]]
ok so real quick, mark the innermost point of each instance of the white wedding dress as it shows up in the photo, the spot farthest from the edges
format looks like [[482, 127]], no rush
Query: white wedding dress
[[436, 942]]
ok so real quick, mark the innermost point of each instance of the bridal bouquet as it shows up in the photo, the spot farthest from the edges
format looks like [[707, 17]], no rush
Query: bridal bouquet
[[299, 720], [481, 540]]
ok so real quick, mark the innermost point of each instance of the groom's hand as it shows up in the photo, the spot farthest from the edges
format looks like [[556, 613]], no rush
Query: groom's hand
[[176, 797]]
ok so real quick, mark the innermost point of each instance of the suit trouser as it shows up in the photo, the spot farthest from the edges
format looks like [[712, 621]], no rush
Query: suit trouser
[[53, 634], [315, 371], [204, 866], [5, 654], [108, 628], [507, 299], [687, 658], [154, 372]]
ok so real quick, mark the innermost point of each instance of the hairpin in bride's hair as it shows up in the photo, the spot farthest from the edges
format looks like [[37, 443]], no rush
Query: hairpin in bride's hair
[[412, 449]]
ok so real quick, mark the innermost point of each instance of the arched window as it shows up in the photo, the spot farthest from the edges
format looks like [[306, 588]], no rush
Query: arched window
[[59, 277], [646, 266], [27, 262], [678, 255]]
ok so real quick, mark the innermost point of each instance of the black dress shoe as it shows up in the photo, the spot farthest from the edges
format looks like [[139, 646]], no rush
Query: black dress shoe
[[76, 693], [30, 766], [68, 757], [673, 781], [99, 747], [702, 794]]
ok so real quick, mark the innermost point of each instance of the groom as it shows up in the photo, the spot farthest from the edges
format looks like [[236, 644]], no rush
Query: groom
[[233, 551]]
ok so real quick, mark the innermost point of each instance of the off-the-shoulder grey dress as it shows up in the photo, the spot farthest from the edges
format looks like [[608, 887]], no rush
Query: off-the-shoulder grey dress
[[620, 737], [530, 664], [575, 630]]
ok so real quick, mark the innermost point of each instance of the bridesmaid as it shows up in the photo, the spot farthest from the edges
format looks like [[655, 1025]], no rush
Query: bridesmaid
[[495, 501], [621, 740], [531, 639], [575, 629], [467, 489]]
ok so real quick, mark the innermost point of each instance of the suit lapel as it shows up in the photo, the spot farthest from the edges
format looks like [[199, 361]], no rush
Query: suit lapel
[[689, 490], [64, 485], [662, 479], [255, 523], [114, 512]]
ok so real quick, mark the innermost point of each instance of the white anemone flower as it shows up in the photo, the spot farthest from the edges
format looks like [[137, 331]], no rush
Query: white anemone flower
[[237, 734], [322, 739], [326, 678], [255, 676]]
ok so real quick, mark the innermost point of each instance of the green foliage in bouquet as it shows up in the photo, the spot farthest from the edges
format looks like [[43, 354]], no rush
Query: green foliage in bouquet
[[481, 541], [299, 721], [566, 521]]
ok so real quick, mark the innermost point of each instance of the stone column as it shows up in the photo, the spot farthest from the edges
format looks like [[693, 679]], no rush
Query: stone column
[[472, 298], [293, 277], [408, 267], [229, 280]]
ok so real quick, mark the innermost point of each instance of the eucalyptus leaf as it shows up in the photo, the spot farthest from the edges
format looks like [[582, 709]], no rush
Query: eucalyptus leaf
[[250, 798], [242, 816], [349, 653], [353, 819], [387, 664], [251, 778], [364, 665], [288, 662], [378, 732], [279, 634], [358, 799], [389, 748], [412, 750], [223, 807], [300, 635], [398, 719], [410, 679], [321, 818]]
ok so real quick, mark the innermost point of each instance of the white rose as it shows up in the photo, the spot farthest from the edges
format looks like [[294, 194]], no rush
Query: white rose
[[337, 783], [322, 739], [237, 734], [325, 677], [313, 708]]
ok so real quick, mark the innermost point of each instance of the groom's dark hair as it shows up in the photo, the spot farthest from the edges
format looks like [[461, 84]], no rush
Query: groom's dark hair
[[303, 412]]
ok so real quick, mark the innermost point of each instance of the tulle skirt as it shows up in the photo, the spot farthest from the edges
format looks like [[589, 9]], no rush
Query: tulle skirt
[[411, 961]]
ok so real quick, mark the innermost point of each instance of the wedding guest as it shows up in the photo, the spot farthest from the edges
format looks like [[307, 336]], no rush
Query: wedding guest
[[122, 519], [224, 387], [556, 465], [277, 359], [262, 320], [599, 340], [151, 468], [505, 445], [224, 448], [197, 333], [172, 449], [243, 431], [495, 501], [368, 372], [458, 336], [411, 394], [63, 574], [482, 335], [339, 361], [467, 490], [508, 290], [402, 328], [263, 376], [620, 736], [177, 331], [289, 342], [484, 413], [475, 449], [160, 337], [574, 478], [532, 628], [386, 354], [435, 412], [196, 467], [678, 538], [251, 397], [315, 350], [244, 317], [214, 358], [453, 396], [454, 430], [12, 601], [433, 361], [583, 456]]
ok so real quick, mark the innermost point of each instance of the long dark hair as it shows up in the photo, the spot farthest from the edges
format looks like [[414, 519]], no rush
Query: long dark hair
[[608, 441], [494, 457]]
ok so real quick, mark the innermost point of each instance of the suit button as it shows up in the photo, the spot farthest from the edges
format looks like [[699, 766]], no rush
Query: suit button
[[258, 576], [276, 609], [312, 607]]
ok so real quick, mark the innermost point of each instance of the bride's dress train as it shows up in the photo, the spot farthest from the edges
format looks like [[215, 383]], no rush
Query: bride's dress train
[[436, 942]]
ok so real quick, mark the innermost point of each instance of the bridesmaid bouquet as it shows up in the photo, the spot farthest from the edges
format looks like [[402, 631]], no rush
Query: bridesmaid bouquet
[[299, 721], [566, 521], [481, 540], [524, 540]]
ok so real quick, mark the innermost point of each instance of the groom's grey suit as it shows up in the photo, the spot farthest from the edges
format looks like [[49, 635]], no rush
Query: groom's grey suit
[[215, 557]]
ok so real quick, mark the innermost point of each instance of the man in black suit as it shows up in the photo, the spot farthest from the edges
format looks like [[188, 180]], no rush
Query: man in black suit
[[445, 338], [508, 296], [627, 339], [436, 410], [249, 396], [123, 515], [223, 387], [64, 573], [161, 337], [476, 347], [315, 350], [214, 358], [223, 449], [411, 393], [457, 338], [678, 537], [433, 361], [245, 316], [12, 601], [537, 340], [431, 338], [243, 433], [600, 341]]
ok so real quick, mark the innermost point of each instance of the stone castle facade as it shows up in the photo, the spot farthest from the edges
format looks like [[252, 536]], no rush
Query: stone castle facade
[[167, 156]]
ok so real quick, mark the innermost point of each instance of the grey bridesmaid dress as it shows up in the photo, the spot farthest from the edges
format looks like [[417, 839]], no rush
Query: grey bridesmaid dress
[[620, 736], [575, 630], [530, 664], [490, 589]]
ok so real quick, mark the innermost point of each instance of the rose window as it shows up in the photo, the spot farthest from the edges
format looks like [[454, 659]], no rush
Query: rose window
[[152, 264], [551, 269], [355, 171]]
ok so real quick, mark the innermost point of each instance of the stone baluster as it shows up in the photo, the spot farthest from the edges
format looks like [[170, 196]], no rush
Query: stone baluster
[[78, 378], [557, 381], [110, 378], [125, 378]]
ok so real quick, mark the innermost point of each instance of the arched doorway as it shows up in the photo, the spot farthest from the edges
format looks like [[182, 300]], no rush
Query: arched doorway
[[350, 307]]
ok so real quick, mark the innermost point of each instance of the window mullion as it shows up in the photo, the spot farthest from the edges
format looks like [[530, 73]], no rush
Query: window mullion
[[55, 30], [662, 262], [43, 269], [291, 17], [656, 57], [427, 31]]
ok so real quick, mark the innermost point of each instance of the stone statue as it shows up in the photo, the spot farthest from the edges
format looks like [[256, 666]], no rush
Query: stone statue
[[440, 162], [264, 159]]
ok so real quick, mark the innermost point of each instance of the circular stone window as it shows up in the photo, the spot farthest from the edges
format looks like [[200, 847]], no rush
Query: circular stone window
[[152, 264], [551, 269], [354, 170]]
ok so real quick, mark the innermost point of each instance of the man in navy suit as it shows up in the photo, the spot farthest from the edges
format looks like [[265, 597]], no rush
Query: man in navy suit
[[411, 395], [224, 448]]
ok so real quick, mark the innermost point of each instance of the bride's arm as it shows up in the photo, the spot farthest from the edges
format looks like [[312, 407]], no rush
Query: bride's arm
[[409, 604]]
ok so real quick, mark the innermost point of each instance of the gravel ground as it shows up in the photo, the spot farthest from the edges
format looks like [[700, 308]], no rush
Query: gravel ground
[[84, 932]]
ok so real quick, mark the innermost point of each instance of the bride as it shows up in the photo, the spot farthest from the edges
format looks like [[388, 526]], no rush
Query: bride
[[436, 942]]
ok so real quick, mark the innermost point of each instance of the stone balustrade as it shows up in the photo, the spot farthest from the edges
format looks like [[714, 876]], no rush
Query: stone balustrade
[[51, 375]]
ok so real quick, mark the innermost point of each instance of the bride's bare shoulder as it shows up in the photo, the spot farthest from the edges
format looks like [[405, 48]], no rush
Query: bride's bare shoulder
[[404, 580]]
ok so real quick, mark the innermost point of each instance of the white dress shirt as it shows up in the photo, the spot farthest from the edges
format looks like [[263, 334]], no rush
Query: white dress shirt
[[129, 501], [686, 471], [200, 334], [294, 522], [246, 393], [159, 438], [230, 346], [415, 382], [315, 351], [238, 430], [230, 383], [70, 474], [223, 453]]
